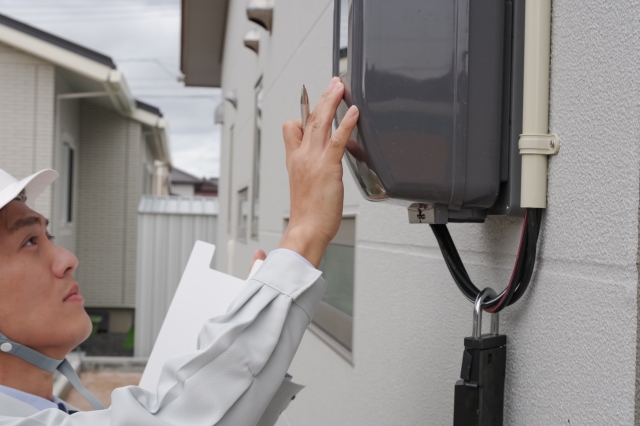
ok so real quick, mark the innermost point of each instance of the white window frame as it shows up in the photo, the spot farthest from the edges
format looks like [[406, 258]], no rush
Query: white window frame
[[243, 196], [257, 145], [68, 183], [147, 178], [230, 201], [329, 324]]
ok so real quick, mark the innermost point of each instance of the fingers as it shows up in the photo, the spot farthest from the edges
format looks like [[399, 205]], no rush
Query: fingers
[[257, 255], [327, 91], [327, 110], [292, 134], [322, 115], [340, 138]]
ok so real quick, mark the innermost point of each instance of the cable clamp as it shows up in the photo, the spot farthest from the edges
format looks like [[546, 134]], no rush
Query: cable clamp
[[539, 144]]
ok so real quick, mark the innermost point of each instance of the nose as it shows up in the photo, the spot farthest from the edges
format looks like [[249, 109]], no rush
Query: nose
[[64, 262]]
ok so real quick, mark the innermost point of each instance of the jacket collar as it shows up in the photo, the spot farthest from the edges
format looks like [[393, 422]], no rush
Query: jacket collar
[[12, 407]]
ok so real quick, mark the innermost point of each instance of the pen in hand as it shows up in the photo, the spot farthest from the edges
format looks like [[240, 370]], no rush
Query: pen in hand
[[304, 107]]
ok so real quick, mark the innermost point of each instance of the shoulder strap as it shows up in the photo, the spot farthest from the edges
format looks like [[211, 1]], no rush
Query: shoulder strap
[[49, 364]]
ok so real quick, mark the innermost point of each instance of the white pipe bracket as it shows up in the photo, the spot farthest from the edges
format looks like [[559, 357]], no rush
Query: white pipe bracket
[[539, 144]]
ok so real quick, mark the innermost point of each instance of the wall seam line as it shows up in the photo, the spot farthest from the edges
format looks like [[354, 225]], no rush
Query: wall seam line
[[298, 47]]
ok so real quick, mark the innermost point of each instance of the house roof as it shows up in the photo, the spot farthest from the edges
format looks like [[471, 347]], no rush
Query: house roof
[[58, 41], [207, 186], [149, 108], [181, 177], [97, 70]]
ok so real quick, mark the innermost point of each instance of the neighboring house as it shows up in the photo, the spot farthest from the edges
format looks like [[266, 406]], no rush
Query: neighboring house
[[187, 185], [183, 184], [66, 107], [387, 345], [207, 187]]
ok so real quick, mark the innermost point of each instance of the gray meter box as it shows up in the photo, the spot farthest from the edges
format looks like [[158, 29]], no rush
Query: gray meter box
[[439, 88]]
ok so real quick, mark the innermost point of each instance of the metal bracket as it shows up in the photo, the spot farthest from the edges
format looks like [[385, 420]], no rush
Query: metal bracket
[[539, 144], [422, 213]]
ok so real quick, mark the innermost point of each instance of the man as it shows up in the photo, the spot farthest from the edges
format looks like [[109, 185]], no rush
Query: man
[[242, 356]]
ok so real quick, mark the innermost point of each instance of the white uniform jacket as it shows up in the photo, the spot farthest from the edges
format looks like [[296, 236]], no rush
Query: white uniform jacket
[[241, 361]]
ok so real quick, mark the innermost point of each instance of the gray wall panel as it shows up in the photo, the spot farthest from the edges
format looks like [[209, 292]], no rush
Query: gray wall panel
[[167, 232], [110, 189]]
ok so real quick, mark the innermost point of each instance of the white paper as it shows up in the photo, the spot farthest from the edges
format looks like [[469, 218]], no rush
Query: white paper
[[202, 294]]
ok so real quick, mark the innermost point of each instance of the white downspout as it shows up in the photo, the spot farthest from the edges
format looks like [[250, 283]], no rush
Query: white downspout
[[535, 142]]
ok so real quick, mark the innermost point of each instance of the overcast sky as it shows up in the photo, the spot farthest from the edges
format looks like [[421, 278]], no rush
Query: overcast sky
[[143, 37]]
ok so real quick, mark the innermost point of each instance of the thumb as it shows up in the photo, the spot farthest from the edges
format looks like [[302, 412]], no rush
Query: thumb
[[292, 134]]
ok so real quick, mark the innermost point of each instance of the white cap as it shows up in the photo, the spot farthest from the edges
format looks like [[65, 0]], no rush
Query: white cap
[[32, 186]]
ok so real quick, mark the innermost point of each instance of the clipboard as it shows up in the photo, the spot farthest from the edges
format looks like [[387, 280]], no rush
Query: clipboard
[[203, 293]]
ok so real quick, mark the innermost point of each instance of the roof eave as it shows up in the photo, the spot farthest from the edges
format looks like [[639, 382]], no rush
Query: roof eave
[[112, 79]]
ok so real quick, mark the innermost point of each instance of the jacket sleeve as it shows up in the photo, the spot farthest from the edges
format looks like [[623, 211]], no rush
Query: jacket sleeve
[[240, 363]]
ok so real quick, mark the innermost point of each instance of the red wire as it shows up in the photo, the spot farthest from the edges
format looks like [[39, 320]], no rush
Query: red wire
[[506, 293]]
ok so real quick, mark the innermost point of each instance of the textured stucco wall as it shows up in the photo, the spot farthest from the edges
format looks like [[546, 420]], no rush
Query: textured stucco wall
[[572, 338], [110, 189], [26, 117]]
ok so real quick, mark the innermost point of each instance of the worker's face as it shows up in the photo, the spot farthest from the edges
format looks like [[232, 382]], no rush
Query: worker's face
[[40, 306]]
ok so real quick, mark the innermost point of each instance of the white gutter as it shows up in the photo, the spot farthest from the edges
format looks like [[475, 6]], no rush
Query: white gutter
[[536, 144], [120, 94], [161, 132], [82, 95], [158, 129]]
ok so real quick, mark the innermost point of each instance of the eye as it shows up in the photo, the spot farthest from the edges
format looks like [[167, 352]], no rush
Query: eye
[[31, 242], [51, 238]]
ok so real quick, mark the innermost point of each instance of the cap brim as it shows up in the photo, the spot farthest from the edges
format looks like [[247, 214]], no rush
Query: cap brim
[[32, 186]]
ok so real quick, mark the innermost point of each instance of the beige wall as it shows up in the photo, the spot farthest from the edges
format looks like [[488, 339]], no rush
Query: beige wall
[[111, 158], [26, 117], [183, 190], [110, 189]]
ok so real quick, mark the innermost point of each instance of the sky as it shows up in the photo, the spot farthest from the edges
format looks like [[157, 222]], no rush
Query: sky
[[143, 38]]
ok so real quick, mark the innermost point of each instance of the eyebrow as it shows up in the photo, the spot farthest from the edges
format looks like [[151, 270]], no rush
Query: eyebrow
[[24, 222]]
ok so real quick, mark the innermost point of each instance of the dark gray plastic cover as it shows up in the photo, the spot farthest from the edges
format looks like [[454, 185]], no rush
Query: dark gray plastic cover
[[427, 77]]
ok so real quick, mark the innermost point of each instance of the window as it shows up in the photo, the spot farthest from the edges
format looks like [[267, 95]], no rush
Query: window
[[68, 176], [147, 178], [255, 202], [333, 321], [230, 179], [243, 214]]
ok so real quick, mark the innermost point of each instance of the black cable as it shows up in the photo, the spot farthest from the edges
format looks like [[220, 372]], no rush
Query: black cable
[[534, 232], [522, 271]]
